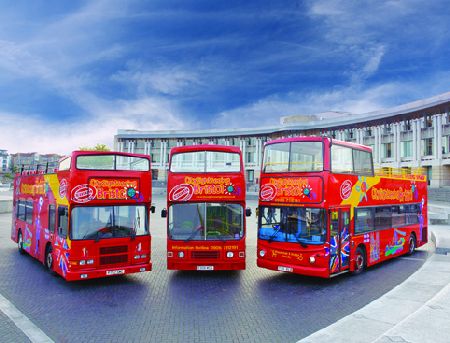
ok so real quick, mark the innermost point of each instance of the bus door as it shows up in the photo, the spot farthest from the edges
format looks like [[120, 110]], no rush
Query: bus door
[[339, 240]]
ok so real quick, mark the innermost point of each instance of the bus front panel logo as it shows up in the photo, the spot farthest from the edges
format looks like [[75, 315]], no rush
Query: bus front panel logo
[[181, 192], [83, 193], [346, 189], [268, 192], [63, 188]]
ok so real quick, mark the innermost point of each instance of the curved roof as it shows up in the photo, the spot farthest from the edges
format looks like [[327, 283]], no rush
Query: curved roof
[[437, 103]]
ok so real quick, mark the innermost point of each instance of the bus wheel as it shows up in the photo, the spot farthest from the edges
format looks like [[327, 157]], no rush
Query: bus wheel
[[49, 258], [360, 261], [412, 244], [20, 243]]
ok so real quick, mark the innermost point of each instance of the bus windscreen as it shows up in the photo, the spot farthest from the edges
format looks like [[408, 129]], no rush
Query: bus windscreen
[[293, 224], [206, 221], [99, 222], [293, 157], [205, 162]]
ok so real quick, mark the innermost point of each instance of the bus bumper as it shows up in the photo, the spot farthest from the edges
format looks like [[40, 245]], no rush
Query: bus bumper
[[106, 272], [205, 266], [292, 268]]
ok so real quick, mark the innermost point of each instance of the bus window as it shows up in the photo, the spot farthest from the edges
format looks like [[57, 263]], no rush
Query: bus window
[[362, 162], [65, 164], [383, 217], [51, 218], [29, 212], [62, 221], [364, 220], [341, 159], [306, 156], [21, 210], [276, 158]]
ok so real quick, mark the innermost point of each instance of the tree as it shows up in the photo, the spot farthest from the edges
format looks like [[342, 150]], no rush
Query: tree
[[98, 147]]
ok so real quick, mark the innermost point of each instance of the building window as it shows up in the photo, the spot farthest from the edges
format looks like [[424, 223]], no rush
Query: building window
[[250, 176], [427, 147], [386, 150], [406, 149]]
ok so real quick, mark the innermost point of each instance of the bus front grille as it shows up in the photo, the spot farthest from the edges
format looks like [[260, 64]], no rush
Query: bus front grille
[[205, 254], [113, 250], [113, 259]]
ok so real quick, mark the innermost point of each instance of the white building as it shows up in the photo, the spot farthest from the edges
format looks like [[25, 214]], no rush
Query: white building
[[407, 136], [4, 161]]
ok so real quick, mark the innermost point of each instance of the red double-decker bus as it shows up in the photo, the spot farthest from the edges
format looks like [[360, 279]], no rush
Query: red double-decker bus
[[323, 211], [90, 218], [206, 208]]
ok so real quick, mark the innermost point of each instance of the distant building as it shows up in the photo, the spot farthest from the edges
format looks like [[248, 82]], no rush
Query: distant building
[[4, 161], [34, 161], [407, 136]]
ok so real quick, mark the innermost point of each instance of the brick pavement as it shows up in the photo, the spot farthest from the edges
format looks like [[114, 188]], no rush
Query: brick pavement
[[254, 305]]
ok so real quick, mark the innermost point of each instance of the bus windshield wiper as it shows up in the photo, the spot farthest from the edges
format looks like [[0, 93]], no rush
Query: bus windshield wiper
[[275, 233], [299, 241]]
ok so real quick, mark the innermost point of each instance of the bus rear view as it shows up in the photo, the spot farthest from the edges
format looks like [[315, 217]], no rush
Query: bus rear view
[[206, 209]]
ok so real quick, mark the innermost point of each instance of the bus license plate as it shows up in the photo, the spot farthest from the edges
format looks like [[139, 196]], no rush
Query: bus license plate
[[205, 267], [115, 272], [285, 269]]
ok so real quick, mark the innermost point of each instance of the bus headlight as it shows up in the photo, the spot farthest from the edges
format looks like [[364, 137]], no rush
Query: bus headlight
[[82, 262], [262, 253], [180, 254], [312, 259], [91, 261], [230, 254]]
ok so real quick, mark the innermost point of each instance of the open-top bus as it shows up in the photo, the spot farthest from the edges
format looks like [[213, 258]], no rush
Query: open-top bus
[[206, 208], [323, 211], [88, 219]]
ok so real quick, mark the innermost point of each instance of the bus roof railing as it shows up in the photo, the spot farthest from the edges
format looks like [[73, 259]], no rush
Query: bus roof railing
[[407, 173]]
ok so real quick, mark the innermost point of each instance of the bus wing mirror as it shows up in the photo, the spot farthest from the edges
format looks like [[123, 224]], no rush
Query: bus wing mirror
[[152, 209], [248, 212], [163, 213], [257, 211]]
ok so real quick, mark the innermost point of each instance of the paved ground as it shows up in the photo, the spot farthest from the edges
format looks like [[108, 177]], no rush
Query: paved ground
[[249, 306]]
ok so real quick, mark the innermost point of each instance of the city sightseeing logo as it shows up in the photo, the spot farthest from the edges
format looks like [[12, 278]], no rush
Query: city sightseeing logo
[[83, 193], [268, 192], [181, 192]]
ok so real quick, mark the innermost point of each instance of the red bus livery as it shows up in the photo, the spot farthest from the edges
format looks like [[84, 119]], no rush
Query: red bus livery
[[90, 218], [322, 210], [206, 203]]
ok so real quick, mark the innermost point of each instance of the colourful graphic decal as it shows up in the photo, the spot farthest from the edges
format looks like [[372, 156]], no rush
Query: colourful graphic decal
[[37, 188], [63, 188], [181, 192], [62, 255], [28, 236], [38, 226], [334, 257], [346, 189], [374, 254], [345, 246], [83, 193], [396, 244], [114, 189], [414, 190], [204, 187], [293, 189], [53, 186], [421, 219], [399, 194], [268, 192], [362, 188]]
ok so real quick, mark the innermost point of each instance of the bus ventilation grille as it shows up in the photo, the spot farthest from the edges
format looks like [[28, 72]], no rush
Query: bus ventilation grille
[[113, 259], [205, 254], [113, 250]]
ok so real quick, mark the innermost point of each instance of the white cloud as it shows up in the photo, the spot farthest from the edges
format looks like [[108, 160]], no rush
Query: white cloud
[[22, 133], [352, 99]]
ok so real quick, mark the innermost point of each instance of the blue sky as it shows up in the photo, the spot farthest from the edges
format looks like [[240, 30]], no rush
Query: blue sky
[[73, 72]]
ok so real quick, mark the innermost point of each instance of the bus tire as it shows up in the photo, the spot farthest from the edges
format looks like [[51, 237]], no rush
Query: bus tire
[[49, 259], [411, 244], [360, 261], [20, 243]]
